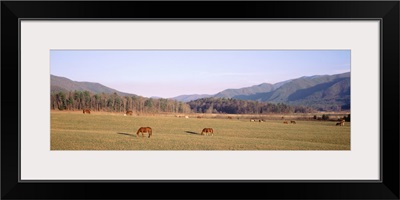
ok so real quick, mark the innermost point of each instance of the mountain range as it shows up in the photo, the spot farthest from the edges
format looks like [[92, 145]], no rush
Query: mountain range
[[315, 91], [319, 91]]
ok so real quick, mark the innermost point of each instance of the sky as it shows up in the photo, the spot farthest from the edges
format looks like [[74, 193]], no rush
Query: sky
[[170, 73]]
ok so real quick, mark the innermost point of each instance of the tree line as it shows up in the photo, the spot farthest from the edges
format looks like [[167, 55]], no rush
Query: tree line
[[78, 100], [236, 106]]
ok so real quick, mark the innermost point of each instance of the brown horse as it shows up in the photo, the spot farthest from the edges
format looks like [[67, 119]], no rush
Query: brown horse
[[293, 122], [86, 111], [129, 112], [341, 123], [207, 131], [144, 130], [285, 122]]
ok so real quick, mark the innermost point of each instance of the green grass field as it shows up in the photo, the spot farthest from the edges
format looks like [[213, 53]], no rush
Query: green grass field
[[107, 131]]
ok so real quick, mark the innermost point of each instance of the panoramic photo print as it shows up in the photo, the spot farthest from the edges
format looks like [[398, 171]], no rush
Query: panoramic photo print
[[200, 99]]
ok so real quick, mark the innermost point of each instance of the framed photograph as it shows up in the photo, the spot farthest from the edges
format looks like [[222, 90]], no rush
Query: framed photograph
[[121, 99]]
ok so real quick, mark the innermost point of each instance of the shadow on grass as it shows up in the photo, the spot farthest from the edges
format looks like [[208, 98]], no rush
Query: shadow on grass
[[128, 134], [191, 132]]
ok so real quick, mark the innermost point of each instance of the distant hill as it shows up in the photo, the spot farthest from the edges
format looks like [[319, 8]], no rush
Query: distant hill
[[230, 93], [319, 91], [187, 98], [302, 87], [58, 83]]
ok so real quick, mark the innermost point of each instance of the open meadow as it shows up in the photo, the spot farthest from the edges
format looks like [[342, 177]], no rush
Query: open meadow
[[114, 131]]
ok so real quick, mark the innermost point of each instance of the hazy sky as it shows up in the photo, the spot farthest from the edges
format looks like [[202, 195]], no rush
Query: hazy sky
[[170, 73]]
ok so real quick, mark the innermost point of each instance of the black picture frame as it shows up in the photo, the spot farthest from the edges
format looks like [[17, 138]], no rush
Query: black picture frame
[[386, 11]]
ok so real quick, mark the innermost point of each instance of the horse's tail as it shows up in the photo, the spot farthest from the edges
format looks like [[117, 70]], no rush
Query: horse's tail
[[150, 131]]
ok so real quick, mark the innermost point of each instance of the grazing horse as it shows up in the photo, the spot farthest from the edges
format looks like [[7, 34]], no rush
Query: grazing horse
[[229, 117], [341, 123], [86, 111], [144, 130], [285, 122], [129, 112], [293, 122], [207, 131]]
